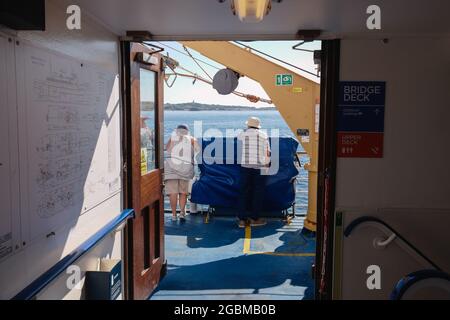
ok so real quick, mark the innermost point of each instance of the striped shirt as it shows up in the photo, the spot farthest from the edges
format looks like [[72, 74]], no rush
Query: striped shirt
[[255, 148]]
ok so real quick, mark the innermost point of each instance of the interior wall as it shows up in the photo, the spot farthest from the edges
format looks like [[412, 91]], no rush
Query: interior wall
[[93, 45], [409, 186]]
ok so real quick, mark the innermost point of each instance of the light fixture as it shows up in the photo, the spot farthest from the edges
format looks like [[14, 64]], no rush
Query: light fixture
[[251, 10]]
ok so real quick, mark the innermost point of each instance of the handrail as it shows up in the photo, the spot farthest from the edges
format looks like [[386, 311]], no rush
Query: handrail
[[409, 280], [348, 230], [51, 274]]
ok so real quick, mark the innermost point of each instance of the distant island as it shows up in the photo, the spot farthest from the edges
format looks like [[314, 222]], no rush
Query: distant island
[[194, 106]]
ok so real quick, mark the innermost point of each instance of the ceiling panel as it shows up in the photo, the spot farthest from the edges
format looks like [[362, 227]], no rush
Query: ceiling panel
[[209, 18]]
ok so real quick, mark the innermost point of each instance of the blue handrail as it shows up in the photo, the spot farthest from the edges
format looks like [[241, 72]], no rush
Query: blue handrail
[[348, 230], [406, 282], [51, 274]]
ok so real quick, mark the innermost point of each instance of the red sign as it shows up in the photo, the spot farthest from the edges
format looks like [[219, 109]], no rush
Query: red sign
[[360, 145]]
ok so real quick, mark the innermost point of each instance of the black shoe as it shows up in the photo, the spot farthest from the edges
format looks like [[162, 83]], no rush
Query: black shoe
[[242, 223], [258, 222]]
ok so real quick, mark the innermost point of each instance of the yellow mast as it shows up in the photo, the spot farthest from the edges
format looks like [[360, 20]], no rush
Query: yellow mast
[[296, 102]]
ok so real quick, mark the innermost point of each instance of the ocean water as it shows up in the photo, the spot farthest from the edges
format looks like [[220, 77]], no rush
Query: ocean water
[[233, 120]]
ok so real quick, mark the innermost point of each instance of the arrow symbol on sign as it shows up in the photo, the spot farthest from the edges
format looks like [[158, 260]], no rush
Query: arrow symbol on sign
[[376, 111]]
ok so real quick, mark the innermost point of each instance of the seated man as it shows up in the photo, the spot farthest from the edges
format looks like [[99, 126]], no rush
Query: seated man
[[255, 159]]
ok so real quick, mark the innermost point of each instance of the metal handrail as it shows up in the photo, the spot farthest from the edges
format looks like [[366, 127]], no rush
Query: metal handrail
[[348, 230], [51, 274]]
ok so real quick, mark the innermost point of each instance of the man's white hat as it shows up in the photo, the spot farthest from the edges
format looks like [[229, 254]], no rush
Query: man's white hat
[[253, 122]]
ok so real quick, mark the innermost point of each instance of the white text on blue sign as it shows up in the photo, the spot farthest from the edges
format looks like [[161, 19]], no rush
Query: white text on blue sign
[[360, 93]]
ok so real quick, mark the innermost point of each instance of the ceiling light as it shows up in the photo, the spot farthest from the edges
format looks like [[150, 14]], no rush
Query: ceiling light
[[251, 10]]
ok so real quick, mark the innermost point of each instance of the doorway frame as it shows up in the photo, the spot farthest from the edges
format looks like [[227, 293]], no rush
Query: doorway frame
[[326, 184], [326, 187]]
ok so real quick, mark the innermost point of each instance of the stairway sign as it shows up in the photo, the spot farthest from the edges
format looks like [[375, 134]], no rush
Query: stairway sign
[[360, 120]]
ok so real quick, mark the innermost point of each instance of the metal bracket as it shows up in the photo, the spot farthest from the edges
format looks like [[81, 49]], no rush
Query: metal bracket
[[159, 49], [306, 36], [296, 47], [146, 58], [138, 36]]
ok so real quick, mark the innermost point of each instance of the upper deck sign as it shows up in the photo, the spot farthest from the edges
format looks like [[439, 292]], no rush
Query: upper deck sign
[[360, 120]]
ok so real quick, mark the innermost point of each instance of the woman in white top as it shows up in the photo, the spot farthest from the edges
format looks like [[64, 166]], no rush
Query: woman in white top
[[179, 168]]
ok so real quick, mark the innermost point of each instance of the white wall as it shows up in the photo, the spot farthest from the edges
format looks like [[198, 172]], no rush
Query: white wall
[[92, 45], [410, 186], [414, 171]]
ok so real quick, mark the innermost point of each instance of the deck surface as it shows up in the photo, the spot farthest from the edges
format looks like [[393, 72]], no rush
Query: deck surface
[[218, 260]]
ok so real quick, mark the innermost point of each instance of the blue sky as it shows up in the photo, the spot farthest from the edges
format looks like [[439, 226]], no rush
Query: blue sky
[[184, 91]]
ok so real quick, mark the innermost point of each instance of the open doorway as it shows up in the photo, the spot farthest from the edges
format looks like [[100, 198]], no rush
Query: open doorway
[[208, 255]]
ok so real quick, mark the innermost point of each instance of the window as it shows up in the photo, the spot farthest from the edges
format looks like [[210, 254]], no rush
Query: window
[[148, 114]]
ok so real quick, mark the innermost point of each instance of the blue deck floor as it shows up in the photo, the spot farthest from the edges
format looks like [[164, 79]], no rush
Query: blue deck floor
[[218, 260]]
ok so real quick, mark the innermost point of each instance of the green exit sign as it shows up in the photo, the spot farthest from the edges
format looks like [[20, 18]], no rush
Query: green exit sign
[[283, 79]]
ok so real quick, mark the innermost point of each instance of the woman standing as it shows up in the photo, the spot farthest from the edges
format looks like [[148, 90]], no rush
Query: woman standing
[[179, 168]]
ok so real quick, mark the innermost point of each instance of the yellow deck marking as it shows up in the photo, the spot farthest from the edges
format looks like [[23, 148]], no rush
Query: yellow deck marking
[[246, 249], [248, 237], [283, 254]]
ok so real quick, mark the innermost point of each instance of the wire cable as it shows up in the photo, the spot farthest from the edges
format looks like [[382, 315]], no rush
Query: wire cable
[[184, 53], [277, 59], [251, 98], [196, 62]]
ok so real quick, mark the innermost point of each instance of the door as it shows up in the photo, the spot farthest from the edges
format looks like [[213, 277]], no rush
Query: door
[[144, 148]]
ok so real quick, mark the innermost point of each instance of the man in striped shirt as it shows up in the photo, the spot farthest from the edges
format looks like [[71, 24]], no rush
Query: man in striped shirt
[[255, 160]]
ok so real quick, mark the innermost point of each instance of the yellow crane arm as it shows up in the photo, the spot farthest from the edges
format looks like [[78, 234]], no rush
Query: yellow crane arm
[[297, 102]]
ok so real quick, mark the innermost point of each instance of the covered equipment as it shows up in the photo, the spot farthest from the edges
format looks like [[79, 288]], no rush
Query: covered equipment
[[219, 182]]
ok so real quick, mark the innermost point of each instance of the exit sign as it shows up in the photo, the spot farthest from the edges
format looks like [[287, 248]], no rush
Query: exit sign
[[283, 79]]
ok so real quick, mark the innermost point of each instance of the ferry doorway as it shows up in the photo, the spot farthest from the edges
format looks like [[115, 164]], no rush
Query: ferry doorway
[[138, 230], [208, 255]]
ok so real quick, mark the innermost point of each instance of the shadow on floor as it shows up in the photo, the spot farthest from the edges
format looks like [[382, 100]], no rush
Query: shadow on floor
[[219, 232], [247, 275], [207, 261]]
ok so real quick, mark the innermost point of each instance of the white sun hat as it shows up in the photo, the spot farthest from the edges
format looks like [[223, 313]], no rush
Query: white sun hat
[[253, 122]]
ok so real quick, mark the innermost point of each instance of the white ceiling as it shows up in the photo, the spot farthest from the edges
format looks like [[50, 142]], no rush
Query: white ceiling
[[198, 19]]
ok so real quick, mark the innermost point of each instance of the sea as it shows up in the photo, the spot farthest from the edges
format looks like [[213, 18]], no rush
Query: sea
[[231, 121]]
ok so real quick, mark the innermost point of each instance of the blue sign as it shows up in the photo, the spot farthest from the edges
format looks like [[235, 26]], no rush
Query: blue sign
[[361, 106]]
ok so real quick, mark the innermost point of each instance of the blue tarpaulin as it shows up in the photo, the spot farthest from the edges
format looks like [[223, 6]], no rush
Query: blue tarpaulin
[[218, 185]]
